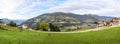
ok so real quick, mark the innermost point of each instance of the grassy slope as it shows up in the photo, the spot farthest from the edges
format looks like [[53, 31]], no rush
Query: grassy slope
[[108, 36]]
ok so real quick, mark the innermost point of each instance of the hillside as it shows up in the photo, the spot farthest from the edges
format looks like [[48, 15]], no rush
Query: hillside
[[66, 19], [13, 36]]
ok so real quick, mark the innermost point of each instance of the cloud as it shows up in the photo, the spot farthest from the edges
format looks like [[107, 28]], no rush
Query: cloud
[[8, 6], [100, 7], [37, 5], [71, 5], [25, 9]]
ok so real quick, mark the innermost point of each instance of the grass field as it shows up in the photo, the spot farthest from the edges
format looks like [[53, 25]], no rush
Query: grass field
[[13, 36]]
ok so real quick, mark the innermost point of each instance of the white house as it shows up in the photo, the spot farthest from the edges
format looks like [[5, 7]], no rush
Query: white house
[[24, 26]]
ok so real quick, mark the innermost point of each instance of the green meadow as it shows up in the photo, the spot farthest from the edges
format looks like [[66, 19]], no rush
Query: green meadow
[[13, 36]]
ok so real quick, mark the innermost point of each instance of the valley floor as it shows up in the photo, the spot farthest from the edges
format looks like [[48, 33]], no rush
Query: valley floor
[[13, 36]]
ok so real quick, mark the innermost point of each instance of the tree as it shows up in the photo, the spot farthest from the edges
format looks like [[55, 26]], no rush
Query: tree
[[57, 28], [53, 27], [13, 24], [1, 21], [42, 26]]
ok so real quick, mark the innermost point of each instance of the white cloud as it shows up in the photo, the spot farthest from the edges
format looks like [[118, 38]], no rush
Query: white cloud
[[13, 16], [31, 7], [8, 6], [100, 7], [25, 9]]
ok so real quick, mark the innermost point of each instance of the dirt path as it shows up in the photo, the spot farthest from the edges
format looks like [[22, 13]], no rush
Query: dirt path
[[101, 28]]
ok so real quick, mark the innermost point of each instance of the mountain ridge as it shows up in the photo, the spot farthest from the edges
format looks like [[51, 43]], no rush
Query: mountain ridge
[[17, 21], [66, 19]]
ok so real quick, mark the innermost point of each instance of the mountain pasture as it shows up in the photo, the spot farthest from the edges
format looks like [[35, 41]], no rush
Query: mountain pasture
[[13, 36]]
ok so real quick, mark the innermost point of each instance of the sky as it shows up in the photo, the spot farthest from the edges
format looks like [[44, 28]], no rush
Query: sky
[[26, 9]]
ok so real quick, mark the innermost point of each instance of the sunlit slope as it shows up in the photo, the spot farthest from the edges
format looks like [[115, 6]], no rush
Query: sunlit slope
[[13, 36]]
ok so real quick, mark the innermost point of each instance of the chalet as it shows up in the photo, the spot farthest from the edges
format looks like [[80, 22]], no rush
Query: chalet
[[109, 23], [102, 24], [115, 21], [24, 26], [99, 24]]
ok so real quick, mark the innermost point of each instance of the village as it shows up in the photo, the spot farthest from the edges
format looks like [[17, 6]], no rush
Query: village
[[114, 21], [97, 24]]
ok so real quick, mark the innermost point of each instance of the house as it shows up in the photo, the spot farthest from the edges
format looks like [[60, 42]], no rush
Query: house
[[115, 21], [109, 23], [24, 26], [99, 24]]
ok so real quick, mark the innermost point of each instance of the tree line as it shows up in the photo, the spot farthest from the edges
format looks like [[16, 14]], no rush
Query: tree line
[[47, 27], [3, 25]]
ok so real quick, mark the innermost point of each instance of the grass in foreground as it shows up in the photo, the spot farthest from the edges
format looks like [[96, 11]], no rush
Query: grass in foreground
[[13, 36]]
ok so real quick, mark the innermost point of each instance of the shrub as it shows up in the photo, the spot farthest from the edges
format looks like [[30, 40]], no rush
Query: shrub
[[2, 27], [42, 26], [13, 24], [54, 28]]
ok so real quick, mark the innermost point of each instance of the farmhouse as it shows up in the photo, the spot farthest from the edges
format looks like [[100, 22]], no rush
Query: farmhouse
[[115, 21], [109, 23], [24, 26], [99, 24]]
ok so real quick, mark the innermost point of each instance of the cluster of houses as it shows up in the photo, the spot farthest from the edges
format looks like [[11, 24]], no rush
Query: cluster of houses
[[25, 26], [97, 24], [114, 21]]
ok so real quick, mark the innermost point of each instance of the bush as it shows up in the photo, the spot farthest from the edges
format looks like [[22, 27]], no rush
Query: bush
[[13, 24], [2, 27], [54, 28], [42, 26]]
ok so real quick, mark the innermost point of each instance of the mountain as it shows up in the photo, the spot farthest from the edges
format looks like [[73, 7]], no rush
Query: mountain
[[66, 19], [5, 20], [18, 22]]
